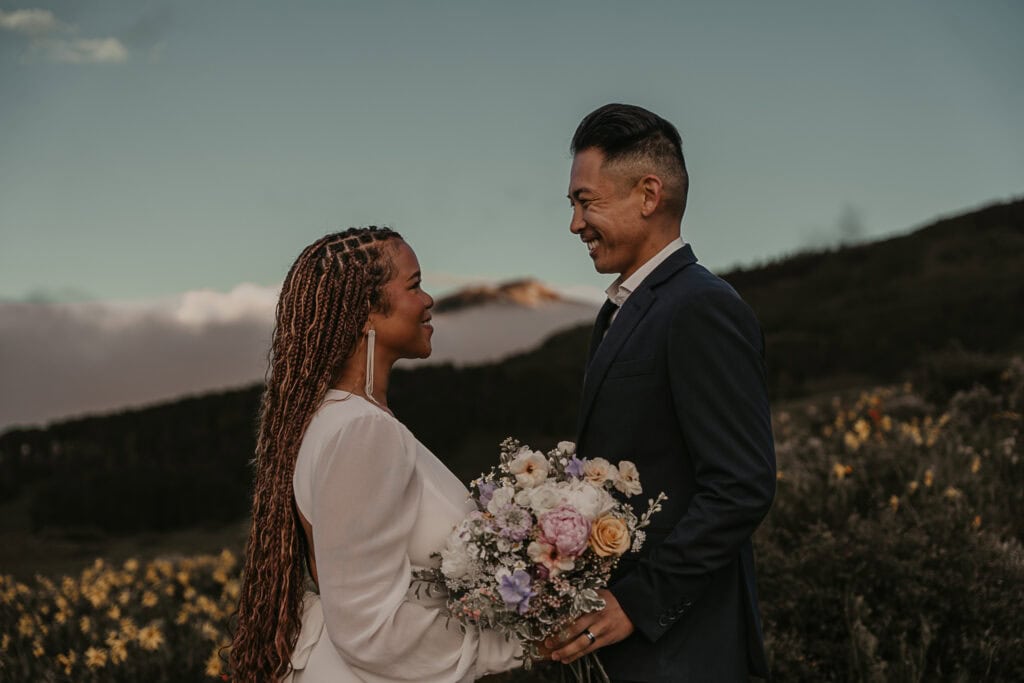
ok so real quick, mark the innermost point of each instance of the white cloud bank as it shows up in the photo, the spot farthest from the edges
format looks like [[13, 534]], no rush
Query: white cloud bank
[[69, 359], [51, 39]]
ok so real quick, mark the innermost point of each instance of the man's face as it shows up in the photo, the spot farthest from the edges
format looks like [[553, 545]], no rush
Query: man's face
[[606, 214]]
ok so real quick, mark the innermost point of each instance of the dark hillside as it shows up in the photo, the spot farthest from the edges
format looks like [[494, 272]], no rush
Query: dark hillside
[[943, 302]]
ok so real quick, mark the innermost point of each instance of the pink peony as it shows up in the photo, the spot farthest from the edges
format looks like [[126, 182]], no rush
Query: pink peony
[[566, 529]]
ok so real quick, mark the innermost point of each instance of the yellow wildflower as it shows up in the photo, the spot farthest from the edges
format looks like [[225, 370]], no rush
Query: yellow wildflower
[[149, 599], [37, 648], [862, 428], [189, 593], [912, 486], [118, 651], [886, 423], [952, 493], [131, 565], [894, 503], [851, 441], [929, 477], [220, 576], [232, 589], [183, 578], [26, 625], [5, 642], [779, 476], [95, 658], [210, 631], [128, 628], [85, 624], [976, 522], [841, 471], [114, 612], [67, 660], [975, 465], [150, 638], [169, 590], [214, 667], [124, 597]]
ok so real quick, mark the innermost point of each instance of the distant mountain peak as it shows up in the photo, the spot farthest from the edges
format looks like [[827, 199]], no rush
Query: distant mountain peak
[[527, 292]]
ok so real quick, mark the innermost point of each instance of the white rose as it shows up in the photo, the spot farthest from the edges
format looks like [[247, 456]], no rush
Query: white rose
[[530, 468], [628, 481], [540, 499], [456, 561], [566, 448], [598, 470], [500, 498], [591, 501]]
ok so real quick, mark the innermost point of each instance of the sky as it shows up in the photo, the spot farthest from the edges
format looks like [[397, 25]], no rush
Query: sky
[[149, 149]]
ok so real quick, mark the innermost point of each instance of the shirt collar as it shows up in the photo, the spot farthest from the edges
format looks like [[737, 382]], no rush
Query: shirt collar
[[620, 290]]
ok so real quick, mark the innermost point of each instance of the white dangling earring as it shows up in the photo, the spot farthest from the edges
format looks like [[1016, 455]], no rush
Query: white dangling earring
[[371, 342]]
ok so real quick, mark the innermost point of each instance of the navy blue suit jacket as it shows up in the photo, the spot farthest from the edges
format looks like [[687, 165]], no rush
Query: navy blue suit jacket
[[677, 385]]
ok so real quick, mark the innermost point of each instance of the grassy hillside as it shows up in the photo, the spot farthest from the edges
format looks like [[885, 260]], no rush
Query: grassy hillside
[[893, 553], [941, 305]]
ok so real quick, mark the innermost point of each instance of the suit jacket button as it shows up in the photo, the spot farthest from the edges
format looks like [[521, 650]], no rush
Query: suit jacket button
[[664, 620]]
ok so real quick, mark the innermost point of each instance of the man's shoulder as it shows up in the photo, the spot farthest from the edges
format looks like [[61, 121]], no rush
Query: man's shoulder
[[695, 283]]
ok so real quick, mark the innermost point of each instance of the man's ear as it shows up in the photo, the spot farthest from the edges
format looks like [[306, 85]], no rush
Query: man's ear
[[651, 189]]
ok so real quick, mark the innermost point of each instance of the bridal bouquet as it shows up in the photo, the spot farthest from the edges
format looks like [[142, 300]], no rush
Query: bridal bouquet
[[545, 536]]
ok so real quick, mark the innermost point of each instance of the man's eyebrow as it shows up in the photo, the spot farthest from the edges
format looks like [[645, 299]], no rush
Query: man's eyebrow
[[576, 193]]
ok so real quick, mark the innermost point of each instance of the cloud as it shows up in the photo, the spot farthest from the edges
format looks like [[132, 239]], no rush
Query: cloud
[[52, 40], [31, 22], [59, 360], [85, 51]]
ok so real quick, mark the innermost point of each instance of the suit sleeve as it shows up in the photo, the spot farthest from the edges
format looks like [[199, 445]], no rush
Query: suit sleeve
[[365, 500], [717, 377]]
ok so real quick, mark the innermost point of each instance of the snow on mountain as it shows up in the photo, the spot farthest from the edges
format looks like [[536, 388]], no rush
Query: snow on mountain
[[64, 360]]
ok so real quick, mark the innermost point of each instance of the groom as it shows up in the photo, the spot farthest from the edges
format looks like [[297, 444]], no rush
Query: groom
[[675, 382]]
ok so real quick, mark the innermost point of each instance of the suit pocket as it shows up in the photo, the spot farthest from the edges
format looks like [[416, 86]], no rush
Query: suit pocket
[[631, 368]]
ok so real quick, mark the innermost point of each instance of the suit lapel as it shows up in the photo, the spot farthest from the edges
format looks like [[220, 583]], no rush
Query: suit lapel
[[603, 352]]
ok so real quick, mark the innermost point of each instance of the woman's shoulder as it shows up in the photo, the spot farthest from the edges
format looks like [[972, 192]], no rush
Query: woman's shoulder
[[343, 415]]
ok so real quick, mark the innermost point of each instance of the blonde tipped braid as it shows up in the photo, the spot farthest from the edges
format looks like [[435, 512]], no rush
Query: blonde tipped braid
[[325, 301]]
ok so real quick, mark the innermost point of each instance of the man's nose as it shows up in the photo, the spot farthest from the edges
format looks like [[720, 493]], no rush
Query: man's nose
[[577, 223]]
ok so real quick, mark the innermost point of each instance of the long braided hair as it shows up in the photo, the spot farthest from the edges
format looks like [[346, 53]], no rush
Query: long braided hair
[[325, 301]]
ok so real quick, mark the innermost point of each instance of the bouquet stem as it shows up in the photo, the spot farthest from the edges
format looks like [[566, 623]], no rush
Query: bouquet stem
[[586, 669]]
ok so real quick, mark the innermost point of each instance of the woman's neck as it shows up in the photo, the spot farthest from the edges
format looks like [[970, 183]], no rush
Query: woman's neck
[[353, 377]]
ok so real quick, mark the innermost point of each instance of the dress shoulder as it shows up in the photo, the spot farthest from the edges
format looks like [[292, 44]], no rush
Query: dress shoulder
[[348, 426]]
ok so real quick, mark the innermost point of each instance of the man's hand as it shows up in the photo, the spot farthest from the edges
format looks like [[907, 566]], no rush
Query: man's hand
[[608, 626]]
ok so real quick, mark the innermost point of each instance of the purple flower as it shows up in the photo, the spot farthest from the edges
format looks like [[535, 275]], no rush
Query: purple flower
[[513, 523], [487, 490], [515, 590], [574, 468], [566, 529]]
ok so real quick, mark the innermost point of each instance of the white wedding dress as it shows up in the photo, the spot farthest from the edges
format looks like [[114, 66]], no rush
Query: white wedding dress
[[380, 503]]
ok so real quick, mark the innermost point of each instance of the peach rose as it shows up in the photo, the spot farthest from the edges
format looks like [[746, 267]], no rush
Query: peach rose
[[609, 536]]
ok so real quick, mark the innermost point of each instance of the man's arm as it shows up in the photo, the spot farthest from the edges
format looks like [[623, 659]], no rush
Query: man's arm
[[716, 373]]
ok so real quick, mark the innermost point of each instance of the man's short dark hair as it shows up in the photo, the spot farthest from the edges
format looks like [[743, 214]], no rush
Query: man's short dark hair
[[640, 142]]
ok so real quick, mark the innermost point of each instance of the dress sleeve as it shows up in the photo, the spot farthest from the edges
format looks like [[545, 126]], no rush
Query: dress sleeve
[[365, 497]]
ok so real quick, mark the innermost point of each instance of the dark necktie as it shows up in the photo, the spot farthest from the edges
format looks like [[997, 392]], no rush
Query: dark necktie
[[604, 318]]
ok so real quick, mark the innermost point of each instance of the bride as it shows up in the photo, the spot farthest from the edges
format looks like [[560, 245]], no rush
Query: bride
[[344, 490]]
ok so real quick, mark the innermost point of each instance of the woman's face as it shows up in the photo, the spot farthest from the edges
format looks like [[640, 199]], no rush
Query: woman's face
[[404, 330]]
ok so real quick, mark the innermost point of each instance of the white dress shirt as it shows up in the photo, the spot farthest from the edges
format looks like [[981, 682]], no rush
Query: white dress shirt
[[620, 290]]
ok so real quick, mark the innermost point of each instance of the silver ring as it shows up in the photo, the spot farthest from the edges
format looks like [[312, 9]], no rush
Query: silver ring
[[591, 636]]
